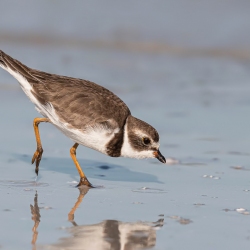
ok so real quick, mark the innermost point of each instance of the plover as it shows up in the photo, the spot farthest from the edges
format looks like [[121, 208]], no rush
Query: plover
[[86, 112]]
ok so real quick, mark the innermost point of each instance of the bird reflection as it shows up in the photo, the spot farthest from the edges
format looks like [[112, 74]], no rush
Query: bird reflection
[[35, 212], [108, 234]]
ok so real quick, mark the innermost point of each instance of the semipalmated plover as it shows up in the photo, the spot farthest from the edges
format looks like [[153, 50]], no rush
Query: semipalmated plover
[[86, 112]]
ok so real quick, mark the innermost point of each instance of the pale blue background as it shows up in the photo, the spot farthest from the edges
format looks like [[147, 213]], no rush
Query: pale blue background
[[182, 66]]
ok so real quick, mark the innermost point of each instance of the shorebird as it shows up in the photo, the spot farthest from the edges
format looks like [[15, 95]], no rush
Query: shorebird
[[86, 112]]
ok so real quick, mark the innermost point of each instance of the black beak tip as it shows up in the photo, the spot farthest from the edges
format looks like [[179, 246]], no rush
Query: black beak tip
[[162, 159]]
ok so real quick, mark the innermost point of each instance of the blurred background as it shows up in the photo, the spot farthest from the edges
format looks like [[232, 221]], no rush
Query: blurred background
[[181, 65]]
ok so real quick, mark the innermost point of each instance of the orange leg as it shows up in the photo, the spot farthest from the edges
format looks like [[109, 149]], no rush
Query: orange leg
[[83, 178], [39, 151]]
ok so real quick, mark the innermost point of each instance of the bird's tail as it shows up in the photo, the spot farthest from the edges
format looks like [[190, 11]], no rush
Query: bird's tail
[[2, 64], [13, 66]]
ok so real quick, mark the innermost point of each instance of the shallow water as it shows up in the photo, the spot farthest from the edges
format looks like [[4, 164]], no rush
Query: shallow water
[[199, 103]]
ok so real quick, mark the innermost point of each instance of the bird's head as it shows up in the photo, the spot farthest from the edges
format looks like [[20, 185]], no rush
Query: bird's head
[[140, 140]]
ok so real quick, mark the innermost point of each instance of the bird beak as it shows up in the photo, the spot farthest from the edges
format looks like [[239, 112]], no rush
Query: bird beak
[[159, 156]]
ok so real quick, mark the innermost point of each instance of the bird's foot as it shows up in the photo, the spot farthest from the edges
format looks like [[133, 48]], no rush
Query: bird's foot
[[37, 158], [84, 182]]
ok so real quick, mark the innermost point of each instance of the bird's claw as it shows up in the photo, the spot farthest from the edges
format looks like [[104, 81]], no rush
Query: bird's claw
[[37, 158]]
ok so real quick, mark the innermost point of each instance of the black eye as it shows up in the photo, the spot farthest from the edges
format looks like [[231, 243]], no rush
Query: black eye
[[146, 140]]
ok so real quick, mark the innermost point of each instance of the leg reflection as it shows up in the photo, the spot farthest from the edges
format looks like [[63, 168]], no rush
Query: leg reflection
[[71, 215], [35, 212]]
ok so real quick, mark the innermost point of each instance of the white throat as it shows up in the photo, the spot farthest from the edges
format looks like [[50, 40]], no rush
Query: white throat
[[128, 151]]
